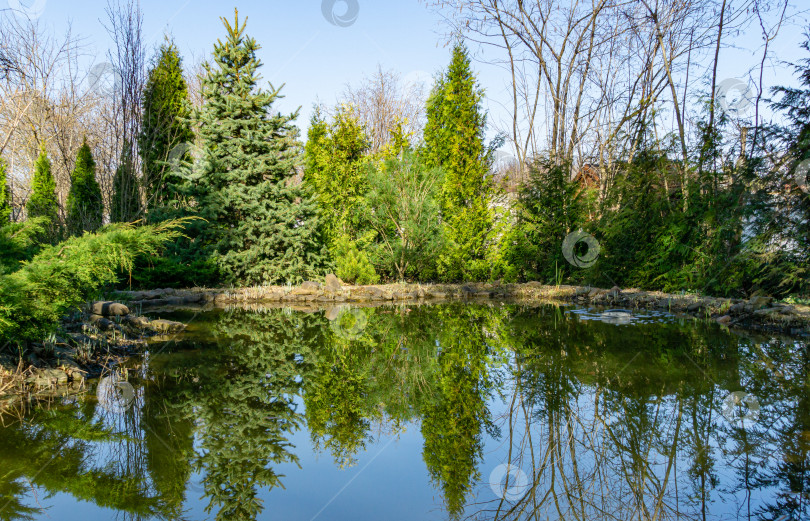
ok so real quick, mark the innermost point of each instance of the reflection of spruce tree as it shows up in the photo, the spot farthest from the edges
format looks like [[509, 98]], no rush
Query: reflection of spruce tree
[[452, 428], [244, 402]]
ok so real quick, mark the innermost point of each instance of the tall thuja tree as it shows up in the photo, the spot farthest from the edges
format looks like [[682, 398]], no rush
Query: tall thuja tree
[[5, 195], [125, 205], [262, 226], [454, 141], [84, 205], [42, 202], [165, 129]]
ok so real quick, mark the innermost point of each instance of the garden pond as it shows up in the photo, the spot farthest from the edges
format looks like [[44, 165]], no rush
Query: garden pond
[[450, 411]]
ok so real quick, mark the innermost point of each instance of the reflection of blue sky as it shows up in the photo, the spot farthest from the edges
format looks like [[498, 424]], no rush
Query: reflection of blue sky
[[316, 60], [388, 481]]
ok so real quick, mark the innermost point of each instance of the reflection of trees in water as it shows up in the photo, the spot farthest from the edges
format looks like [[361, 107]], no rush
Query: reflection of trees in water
[[602, 438], [385, 376], [608, 422], [78, 449], [242, 399], [774, 453], [453, 426]]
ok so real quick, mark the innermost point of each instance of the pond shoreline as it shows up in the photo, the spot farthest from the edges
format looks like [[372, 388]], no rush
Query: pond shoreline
[[757, 313], [122, 329]]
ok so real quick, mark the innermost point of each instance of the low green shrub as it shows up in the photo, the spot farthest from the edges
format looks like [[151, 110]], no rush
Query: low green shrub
[[58, 279]]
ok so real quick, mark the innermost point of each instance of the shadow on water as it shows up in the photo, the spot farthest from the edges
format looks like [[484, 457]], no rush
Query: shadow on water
[[516, 412]]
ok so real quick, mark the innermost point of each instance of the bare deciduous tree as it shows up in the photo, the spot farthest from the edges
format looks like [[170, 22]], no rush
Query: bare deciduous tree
[[382, 102]]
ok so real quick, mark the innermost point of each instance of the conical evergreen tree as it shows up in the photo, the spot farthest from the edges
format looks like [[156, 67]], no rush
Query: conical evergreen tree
[[42, 202], [263, 227], [454, 140], [84, 204], [126, 204], [165, 125], [5, 195]]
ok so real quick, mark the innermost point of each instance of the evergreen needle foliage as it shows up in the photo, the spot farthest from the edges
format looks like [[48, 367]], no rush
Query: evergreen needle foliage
[[84, 206], [61, 277], [404, 210], [42, 202], [20, 241], [550, 206], [335, 164], [454, 141], [166, 126], [262, 226]]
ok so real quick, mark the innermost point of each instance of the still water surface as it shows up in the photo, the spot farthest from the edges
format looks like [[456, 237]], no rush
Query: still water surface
[[495, 411]]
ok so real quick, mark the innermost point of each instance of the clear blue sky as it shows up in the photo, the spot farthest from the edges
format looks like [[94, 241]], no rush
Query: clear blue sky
[[316, 59]]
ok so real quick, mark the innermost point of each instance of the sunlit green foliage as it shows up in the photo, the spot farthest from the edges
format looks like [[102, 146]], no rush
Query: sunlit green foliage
[[42, 202], [20, 241], [353, 265], [84, 210], [165, 128], [334, 164], [454, 141], [59, 278]]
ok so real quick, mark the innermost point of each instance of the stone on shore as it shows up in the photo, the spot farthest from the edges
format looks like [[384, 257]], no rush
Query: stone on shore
[[166, 326], [109, 309], [102, 323], [333, 283]]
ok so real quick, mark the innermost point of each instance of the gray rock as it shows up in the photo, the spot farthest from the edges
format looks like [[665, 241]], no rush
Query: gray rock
[[166, 326], [141, 322], [725, 320], [372, 293], [109, 309], [760, 302], [102, 323], [738, 308], [49, 377], [333, 283], [306, 288]]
